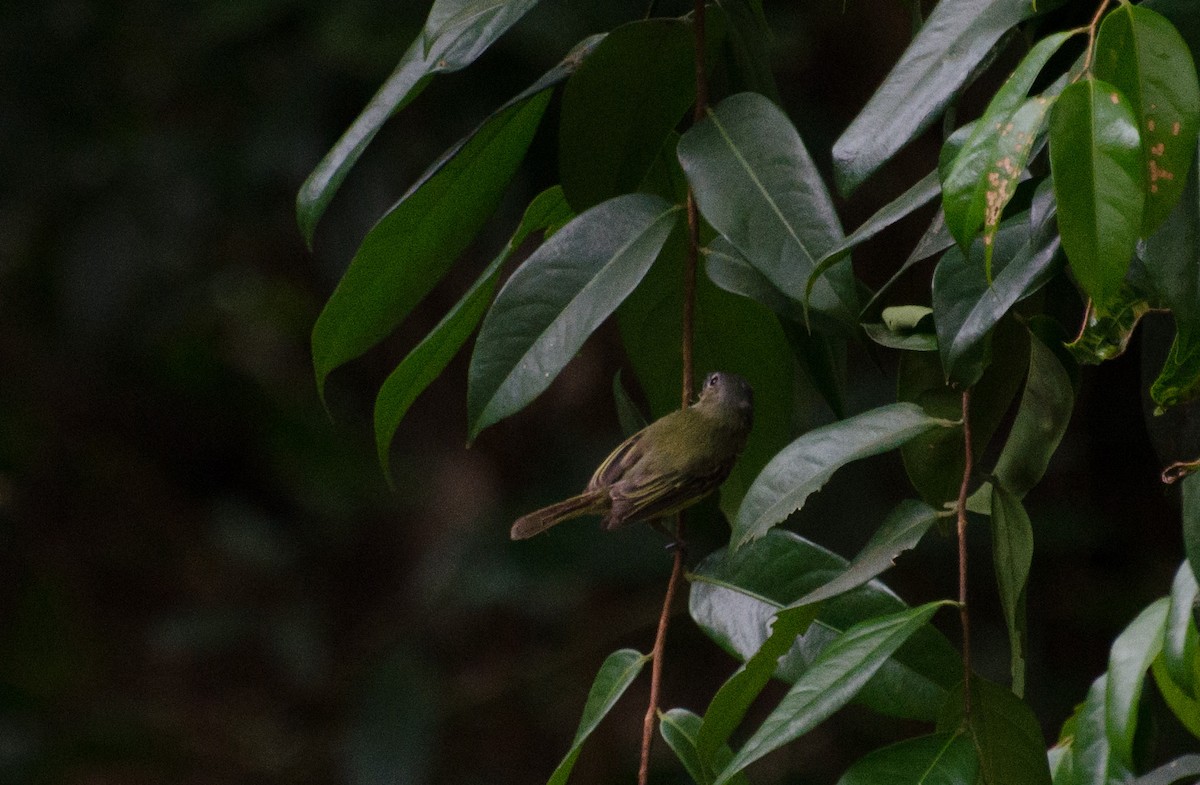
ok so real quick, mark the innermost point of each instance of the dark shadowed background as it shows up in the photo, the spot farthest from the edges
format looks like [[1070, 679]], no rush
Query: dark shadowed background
[[204, 578]]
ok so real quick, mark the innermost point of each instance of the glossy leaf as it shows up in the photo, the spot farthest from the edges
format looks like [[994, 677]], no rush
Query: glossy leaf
[[756, 184], [834, 678], [456, 32], [1093, 761], [909, 341], [983, 176], [1106, 334], [409, 250], [429, 358], [614, 677], [1012, 555], [956, 38], [900, 532], [938, 759], [557, 298], [802, 467], [734, 596], [1185, 707], [731, 334], [1170, 773], [1181, 640], [1142, 54], [749, 42], [1132, 653], [1095, 158], [1179, 380], [918, 195], [619, 107], [680, 729], [1005, 733], [968, 307], [1191, 522]]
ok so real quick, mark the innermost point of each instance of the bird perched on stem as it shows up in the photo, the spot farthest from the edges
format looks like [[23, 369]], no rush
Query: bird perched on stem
[[670, 464]]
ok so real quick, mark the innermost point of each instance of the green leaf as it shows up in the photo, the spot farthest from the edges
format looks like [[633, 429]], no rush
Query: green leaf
[[1179, 380], [1093, 761], [1005, 732], [807, 463], [735, 595], [1191, 522], [409, 250], [429, 358], [628, 414], [456, 32], [680, 728], [957, 37], [937, 238], [614, 677], [905, 341], [1095, 158], [918, 195], [1131, 656], [1142, 55], [1106, 334], [757, 185], [1181, 641], [1169, 773], [1012, 554], [968, 307], [620, 106], [982, 178], [1183, 706], [835, 677], [900, 532], [557, 298], [730, 334], [729, 705], [938, 759], [750, 44]]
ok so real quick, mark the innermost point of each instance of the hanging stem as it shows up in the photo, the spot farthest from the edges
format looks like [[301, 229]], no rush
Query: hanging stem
[[961, 510], [686, 391]]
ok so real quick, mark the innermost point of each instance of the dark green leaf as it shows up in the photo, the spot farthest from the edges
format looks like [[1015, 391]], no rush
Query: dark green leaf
[[456, 32], [901, 531], [409, 250], [734, 597], [429, 358], [731, 334], [1142, 55], [619, 107], [939, 759], [983, 176], [557, 298], [1169, 773], [1012, 553], [1179, 380], [1005, 732], [1132, 653], [937, 238], [920, 194], [905, 341], [757, 185], [749, 40], [835, 677], [728, 707], [628, 415], [1185, 707], [614, 677], [1106, 334], [680, 729], [968, 307], [807, 463], [1095, 157], [957, 37], [1181, 641], [1191, 522]]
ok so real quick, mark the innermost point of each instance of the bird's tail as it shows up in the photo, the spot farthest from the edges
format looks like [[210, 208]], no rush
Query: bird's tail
[[536, 522]]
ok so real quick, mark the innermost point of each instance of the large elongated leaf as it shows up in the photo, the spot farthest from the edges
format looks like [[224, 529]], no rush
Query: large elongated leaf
[[614, 677], [429, 358], [1092, 759], [619, 107], [735, 596], [409, 250], [1132, 653], [955, 39], [557, 298], [834, 678], [757, 185], [982, 178], [1191, 522], [1181, 641], [456, 32], [1170, 773], [1095, 157], [938, 759], [680, 728], [1142, 54], [1012, 553], [807, 463], [1005, 733]]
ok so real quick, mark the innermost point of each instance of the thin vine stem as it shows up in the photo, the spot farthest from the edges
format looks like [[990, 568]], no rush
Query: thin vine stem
[[686, 392], [961, 512]]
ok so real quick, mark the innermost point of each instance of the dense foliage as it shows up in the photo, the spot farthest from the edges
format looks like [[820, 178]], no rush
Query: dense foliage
[[1081, 168]]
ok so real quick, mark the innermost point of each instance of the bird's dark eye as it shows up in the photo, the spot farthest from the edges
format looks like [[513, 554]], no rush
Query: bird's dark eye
[[712, 380]]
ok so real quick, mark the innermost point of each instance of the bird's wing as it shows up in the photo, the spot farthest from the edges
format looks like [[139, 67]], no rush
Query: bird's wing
[[655, 495], [618, 462]]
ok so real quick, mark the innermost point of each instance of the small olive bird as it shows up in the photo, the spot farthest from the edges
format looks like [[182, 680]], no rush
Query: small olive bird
[[670, 464]]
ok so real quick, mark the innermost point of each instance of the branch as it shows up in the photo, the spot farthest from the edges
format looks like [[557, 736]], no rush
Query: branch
[[961, 511]]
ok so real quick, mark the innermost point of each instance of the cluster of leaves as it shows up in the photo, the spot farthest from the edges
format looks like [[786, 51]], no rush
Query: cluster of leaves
[[1117, 211]]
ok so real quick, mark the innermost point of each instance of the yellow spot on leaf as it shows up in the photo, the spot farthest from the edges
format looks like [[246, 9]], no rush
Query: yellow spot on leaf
[[1116, 99]]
